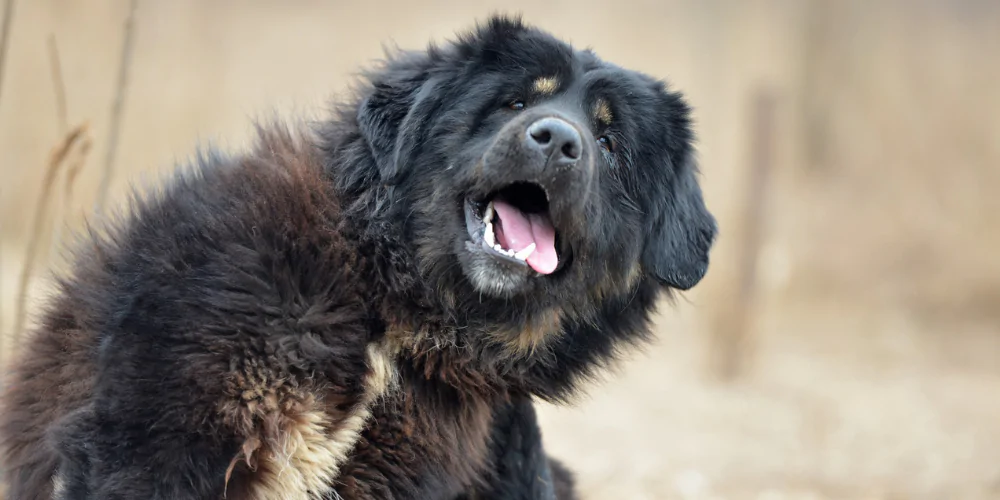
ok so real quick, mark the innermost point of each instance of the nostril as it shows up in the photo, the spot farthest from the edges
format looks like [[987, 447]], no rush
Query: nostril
[[571, 150], [541, 135]]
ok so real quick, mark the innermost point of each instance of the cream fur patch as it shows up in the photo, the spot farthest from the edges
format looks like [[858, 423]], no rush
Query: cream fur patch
[[312, 448], [58, 485]]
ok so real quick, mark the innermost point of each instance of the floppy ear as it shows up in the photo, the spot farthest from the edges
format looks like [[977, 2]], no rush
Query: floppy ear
[[392, 118], [676, 252]]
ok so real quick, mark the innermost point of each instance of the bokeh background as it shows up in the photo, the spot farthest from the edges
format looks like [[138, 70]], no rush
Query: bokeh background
[[846, 343]]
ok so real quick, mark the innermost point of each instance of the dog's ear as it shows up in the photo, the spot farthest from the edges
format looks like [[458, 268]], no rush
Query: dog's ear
[[676, 251], [392, 117]]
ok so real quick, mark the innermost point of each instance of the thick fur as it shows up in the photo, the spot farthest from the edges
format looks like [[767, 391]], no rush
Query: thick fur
[[308, 320]]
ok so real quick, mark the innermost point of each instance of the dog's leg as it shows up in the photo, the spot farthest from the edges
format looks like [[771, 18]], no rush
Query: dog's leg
[[101, 459], [562, 480], [519, 467]]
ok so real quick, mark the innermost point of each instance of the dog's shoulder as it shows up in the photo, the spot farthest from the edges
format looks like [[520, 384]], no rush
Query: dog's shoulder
[[228, 300]]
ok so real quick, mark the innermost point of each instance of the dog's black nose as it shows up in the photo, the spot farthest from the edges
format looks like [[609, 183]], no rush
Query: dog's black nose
[[556, 139]]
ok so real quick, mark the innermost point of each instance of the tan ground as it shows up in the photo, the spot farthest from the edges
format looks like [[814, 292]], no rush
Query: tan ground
[[873, 358]]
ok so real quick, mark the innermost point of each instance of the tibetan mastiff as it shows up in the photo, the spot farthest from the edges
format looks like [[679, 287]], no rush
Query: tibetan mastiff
[[366, 307]]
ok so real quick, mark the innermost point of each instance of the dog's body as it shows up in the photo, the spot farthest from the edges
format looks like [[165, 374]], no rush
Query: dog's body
[[366, 311]]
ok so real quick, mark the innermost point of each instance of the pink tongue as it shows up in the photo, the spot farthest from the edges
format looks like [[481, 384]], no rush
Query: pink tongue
[[519, 230]]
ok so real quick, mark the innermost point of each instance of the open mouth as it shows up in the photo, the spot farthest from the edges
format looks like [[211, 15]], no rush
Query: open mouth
[[513, 225]]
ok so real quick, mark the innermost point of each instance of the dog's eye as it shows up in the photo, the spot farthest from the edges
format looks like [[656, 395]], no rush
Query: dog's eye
[[516, 105], [607, 142]]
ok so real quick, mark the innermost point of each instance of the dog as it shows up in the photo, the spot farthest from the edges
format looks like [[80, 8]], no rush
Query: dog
[[368, 307]]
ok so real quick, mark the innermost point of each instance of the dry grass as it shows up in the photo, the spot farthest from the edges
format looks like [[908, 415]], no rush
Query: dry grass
[[8, 21], [118, 105], [76, 138], [8, 18]]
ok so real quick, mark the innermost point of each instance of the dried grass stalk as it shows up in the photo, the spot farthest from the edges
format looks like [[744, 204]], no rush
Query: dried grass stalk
[[8, 17], [58, 85], [75, 164], [117, 109], [77, 161], [56, 161]]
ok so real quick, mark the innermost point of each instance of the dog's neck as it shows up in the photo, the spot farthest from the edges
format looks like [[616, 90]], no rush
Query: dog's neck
[[445, 337]]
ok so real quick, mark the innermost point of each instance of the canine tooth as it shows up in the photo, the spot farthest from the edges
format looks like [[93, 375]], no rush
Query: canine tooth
[[488, 213], [488, 234], [523, 254]]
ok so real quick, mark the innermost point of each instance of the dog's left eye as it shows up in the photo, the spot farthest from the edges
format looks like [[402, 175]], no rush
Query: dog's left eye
[[607, 142], [516, 105]]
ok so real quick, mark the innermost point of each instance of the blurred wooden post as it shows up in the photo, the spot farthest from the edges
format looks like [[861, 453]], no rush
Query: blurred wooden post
[[732, 326], [814, 82]]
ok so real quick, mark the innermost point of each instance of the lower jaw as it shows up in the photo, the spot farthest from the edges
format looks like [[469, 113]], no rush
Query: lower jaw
[[477, 232]]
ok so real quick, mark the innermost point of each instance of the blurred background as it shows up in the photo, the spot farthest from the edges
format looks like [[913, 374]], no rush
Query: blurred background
[[846, 342]]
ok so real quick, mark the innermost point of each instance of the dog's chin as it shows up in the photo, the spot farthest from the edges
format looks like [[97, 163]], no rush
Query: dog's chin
[[492, 277], [491, 272]]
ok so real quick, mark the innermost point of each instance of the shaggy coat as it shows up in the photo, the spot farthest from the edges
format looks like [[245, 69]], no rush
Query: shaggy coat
[[319, 318]]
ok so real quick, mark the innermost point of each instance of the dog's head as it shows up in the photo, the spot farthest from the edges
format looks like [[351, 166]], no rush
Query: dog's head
[[531, 172]]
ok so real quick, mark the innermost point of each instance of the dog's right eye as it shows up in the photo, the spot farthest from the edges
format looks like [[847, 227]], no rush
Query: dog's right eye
[[607, 143], [516, 105]]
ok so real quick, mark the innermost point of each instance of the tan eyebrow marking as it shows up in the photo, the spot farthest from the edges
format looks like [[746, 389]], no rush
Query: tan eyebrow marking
[[602, 111], [546, 85]]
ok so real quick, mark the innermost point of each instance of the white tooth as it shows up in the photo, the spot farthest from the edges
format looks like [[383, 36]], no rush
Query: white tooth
[[510, 253], [488, 234], [498, 248], [523, 254], [488, 213]]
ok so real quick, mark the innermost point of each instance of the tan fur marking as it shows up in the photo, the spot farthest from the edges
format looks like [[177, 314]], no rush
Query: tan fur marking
[[383, 371], [302, 457], [609, 286], [635, 273], [547, 85], [602, 112], [527, 340]]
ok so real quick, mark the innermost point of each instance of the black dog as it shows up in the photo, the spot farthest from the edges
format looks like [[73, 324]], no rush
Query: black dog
[[366, 309]]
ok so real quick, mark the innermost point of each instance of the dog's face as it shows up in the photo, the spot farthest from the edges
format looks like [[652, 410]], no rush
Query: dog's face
[[529, 171]]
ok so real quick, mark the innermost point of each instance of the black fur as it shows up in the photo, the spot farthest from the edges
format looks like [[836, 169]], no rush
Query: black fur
[[234, 327], [520, 469]]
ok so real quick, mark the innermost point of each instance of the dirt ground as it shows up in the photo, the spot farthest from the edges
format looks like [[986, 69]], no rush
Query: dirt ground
[[870, 354]]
